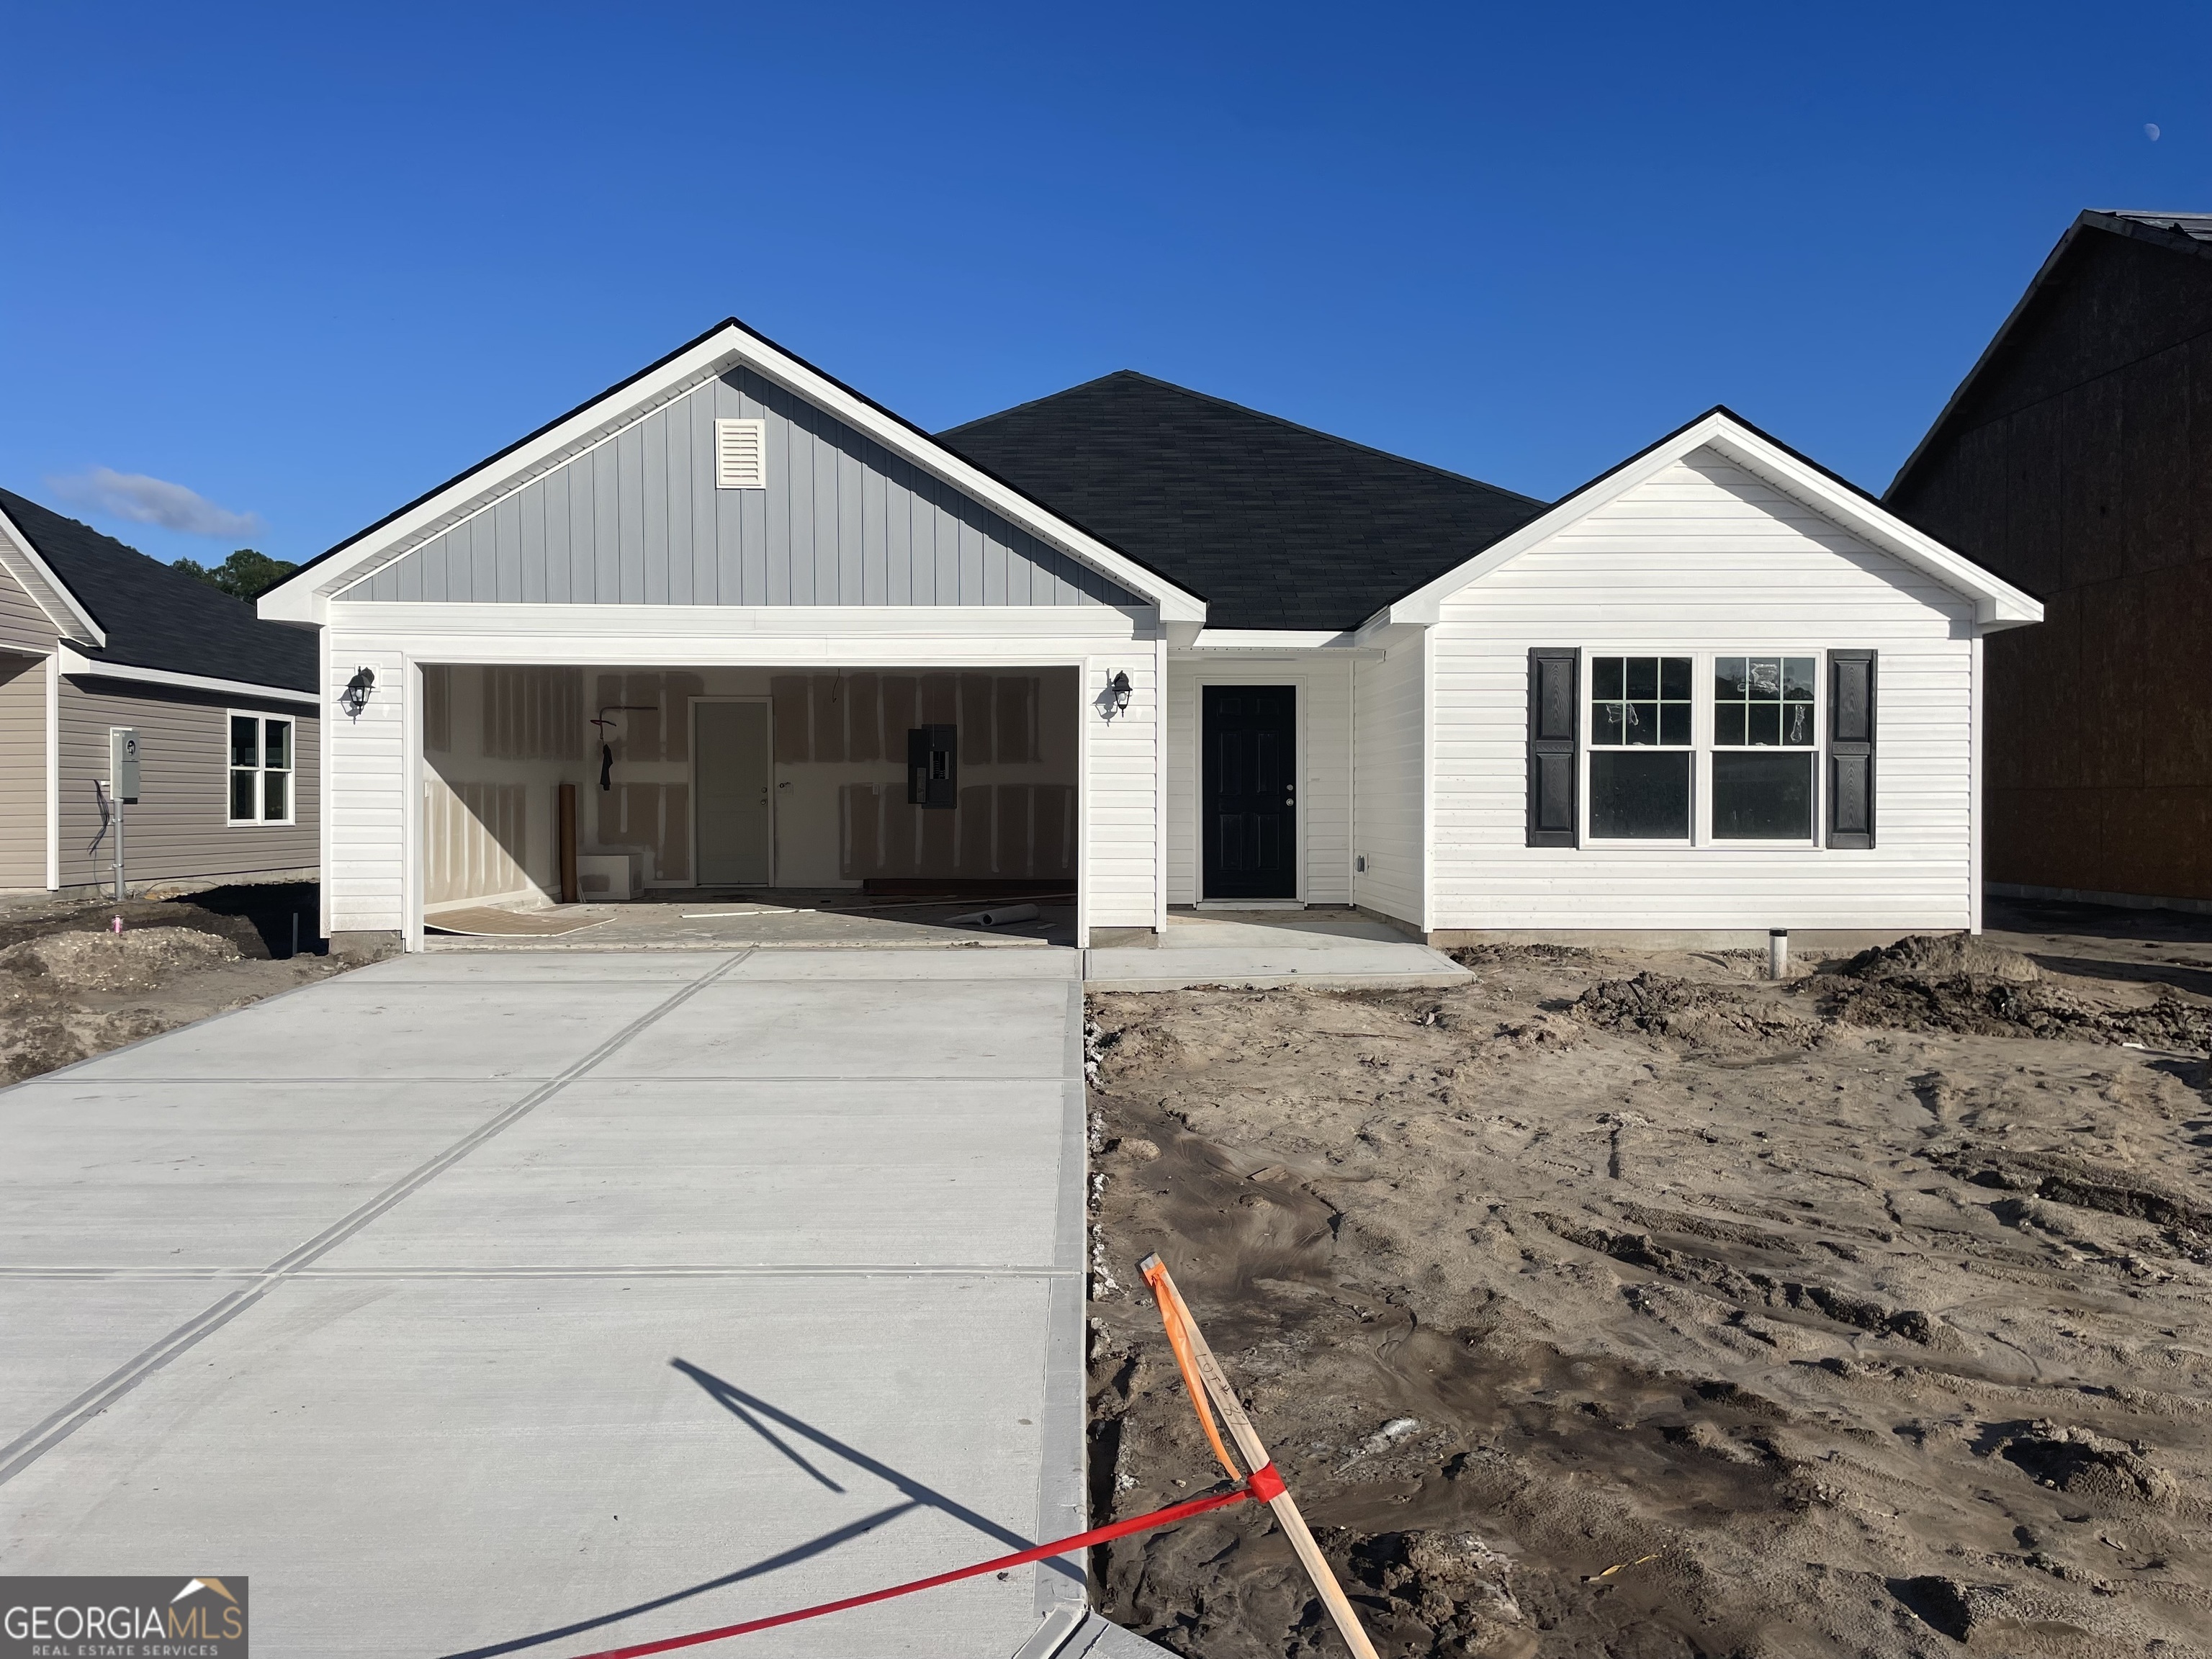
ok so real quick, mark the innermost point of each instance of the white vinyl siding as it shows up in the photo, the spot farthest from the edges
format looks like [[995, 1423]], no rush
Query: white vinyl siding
[[23, 764], [1324, 778], [1387, 782], [180, 827], [1701, 558]]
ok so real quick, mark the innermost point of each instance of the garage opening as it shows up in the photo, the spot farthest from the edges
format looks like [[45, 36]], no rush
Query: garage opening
[[545, 785]]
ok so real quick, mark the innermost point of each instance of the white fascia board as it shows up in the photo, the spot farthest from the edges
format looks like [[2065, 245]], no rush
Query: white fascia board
[[1997, 604], [47, 591], [75, 662], [296, 601], [1269, 639]]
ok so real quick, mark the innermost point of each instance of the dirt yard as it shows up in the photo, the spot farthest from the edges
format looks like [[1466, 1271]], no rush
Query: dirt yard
[[71, 988], [1632, 1305]]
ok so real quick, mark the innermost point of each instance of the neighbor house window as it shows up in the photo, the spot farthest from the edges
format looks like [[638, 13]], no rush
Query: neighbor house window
[[1640, 748], [1765, 727], [260, 769]]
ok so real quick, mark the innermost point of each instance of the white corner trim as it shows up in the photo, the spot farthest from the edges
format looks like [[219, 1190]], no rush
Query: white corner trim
[[1997, 604], [54, 771], [726, 348], [75, 662], [47, 591]]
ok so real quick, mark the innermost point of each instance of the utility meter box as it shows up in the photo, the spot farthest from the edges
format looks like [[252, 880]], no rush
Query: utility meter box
[[932, 766], [123, 763]]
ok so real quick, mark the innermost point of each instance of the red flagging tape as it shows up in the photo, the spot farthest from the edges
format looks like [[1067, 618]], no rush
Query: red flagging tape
[[1166, 1517]]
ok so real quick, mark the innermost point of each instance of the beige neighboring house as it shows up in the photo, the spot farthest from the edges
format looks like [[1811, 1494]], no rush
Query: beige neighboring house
[[95, 635]]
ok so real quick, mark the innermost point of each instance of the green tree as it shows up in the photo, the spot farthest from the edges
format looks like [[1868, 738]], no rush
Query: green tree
[[246, 575]]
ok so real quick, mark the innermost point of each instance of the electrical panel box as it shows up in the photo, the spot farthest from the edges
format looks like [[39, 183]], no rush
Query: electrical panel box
[[123, 763], [932, 766]]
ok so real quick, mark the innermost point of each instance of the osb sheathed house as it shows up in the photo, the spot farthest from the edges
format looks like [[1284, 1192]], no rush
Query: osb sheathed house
[[96, 638], [2076, 461], [736, 624]]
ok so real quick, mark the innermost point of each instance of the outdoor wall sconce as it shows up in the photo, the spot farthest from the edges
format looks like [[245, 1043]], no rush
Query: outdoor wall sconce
[[354, 697], [1119, 685]]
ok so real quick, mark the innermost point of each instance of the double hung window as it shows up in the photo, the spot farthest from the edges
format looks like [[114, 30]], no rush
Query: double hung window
[[1641, 719], [1765, 722], [260, 769], [1735, 764]]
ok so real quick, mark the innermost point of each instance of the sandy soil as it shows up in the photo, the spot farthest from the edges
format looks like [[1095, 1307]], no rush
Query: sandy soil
[[70, 987], [1631, 1305]]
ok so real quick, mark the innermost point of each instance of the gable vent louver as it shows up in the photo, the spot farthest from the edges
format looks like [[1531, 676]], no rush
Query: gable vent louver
[[740, 454]]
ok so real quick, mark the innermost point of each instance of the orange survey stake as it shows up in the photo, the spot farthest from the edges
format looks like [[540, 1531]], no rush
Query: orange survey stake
[[1193, 1356]]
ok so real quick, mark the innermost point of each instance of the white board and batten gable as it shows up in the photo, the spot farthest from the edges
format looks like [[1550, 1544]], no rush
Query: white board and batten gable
[[1716, 542], [732, 506]]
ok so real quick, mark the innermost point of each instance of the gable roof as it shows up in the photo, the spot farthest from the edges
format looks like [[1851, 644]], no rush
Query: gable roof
[[1997, 604], [149, 616], [1279, 526], [2186, 233], [300, 597]]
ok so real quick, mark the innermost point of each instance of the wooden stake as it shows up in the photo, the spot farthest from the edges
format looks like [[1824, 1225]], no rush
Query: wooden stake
[[1249, 1445]]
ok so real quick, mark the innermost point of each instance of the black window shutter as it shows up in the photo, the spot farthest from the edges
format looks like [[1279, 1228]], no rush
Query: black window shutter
[[1554, 706], [1851, 748]]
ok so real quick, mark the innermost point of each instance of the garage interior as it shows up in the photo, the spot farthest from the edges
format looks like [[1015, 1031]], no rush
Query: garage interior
[[598, 786]]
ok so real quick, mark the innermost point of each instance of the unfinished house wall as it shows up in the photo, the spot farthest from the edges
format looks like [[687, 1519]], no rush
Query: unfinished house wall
[[497, 743], [840, 812], [23, 764]]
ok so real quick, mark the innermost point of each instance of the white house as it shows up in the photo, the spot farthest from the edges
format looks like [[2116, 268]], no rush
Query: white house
[[739, 626]]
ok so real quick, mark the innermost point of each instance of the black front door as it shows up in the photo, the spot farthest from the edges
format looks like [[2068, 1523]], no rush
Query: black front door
[[1247, 802]]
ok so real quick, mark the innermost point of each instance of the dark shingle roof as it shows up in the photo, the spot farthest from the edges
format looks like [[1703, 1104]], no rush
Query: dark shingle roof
[[2197, 226], [156, 617], [1274, 525]]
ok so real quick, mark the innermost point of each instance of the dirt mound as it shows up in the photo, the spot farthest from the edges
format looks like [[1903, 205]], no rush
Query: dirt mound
[[1443, 1592], [2084, 1464], [1925, 956], [1657, 1006], [1967, 1005], [139, 959]]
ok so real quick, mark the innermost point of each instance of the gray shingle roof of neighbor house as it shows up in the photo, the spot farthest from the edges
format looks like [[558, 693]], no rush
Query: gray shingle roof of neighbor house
[[156, 617], [1275, 525]]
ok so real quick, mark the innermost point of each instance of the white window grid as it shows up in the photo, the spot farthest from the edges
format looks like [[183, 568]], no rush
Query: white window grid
[[250, 784], [1702, 746]]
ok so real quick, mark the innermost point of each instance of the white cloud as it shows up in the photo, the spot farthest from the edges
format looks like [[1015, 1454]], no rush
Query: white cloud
[[142, 500]]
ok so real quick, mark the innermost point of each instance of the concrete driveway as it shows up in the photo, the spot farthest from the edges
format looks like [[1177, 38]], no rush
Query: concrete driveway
[[543, 1303]]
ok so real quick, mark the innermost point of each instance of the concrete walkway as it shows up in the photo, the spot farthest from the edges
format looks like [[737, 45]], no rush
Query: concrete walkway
[[540, 1304], [1326, 948]]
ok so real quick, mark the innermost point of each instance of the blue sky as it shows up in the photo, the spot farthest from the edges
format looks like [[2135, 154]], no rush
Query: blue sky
[[306, 262]]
